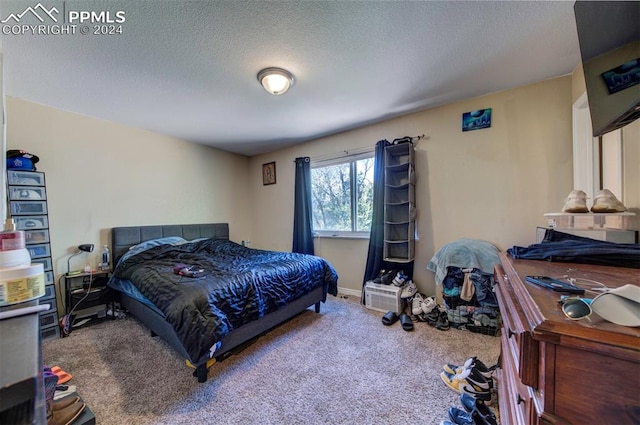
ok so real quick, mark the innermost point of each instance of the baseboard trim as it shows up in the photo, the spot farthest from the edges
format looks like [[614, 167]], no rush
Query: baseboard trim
[[348, 291]]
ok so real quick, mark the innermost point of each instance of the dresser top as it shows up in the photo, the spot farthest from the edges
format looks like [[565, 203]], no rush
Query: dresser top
[[542, 309]]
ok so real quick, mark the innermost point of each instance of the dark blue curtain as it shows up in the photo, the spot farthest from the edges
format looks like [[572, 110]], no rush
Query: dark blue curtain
[[376, 239], [302, 234]]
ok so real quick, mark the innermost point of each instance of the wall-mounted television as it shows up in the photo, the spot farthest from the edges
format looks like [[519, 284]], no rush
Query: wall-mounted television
[[609, 37]]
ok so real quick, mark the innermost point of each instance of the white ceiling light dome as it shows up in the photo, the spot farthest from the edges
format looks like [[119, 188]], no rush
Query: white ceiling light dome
[[276, 81]]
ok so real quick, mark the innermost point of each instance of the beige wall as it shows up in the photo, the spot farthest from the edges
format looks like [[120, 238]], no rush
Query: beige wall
[[578, 85], [630, 150], [631, 167], [100, 175], [493, 184]]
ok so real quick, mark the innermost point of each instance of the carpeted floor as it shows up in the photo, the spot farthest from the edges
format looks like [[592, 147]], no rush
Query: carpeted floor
[[341, 366]]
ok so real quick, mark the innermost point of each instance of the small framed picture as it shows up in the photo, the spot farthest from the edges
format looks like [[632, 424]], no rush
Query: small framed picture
[[476, 120], [269, 173]]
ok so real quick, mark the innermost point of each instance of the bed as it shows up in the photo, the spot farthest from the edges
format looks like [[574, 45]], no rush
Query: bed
[[207, 296]]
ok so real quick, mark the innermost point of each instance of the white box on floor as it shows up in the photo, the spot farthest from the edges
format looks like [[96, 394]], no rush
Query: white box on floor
[[383, 297]]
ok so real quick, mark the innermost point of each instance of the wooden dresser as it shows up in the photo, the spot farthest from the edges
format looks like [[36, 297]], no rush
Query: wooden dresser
[[558, 371]]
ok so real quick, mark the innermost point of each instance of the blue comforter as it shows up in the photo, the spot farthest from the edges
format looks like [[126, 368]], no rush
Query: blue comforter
[[238, 285]]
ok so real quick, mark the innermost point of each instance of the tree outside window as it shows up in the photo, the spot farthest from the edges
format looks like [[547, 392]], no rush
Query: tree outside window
[[342, 196]]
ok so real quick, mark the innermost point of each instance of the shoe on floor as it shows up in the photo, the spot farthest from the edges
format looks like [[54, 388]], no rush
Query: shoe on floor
[[606, 202], [433, 316], [472, 363], [389, 318], [407, 323], [409, 290], [460, 417], [428, 304], [64, 402], [470, 404], [576, 202], [469, 382], [64, 416], [442, 323], [416, 304]]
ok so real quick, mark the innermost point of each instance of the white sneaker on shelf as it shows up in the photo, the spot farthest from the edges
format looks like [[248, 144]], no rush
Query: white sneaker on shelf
[[409, 289], [576, 202], [606, 202]]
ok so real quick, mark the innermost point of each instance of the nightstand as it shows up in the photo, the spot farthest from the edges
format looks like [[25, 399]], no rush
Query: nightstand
[[87, 294]]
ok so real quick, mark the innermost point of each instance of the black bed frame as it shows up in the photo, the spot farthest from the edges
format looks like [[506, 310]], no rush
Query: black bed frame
[[122, 238]]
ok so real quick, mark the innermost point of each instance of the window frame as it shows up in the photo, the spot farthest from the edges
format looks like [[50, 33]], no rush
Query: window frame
[[351, 160]]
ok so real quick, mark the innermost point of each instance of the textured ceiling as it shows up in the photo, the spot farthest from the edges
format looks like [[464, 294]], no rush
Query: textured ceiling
[[188, 68]]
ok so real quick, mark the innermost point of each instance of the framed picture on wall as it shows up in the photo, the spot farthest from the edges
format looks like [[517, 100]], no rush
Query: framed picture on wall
[[476, 120], [269, 173]]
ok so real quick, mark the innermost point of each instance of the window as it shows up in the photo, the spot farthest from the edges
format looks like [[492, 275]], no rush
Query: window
[[342, 196]]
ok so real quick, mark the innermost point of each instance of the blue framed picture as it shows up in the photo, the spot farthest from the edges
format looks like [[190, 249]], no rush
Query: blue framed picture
[[476, 120], [623, 76]]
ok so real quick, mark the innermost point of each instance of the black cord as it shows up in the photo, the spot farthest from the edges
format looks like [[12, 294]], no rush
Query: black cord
[[86, 295], [64, 306], [67, 321]]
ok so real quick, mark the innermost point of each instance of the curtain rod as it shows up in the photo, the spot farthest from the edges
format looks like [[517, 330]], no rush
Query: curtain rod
[[359, 151], [343, 154]]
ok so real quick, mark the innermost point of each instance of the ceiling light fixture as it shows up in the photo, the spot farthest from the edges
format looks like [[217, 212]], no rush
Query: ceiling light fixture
[[276, 81]]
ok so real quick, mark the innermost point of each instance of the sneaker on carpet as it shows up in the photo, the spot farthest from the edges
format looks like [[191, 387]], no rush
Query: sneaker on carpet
[[442, 323], [409, 290], [433, 316], [576, 202], [416, 304], [472, 363], [428, 304], [460, 417], [470, 404], [606, 202], [468, 382]]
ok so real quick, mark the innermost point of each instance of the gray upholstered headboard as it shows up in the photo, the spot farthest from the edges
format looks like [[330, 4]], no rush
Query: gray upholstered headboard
[[122, 238]]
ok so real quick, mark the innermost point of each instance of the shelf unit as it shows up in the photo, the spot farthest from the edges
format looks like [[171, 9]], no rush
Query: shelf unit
[[27, 194], [96, 302], [399, 204]]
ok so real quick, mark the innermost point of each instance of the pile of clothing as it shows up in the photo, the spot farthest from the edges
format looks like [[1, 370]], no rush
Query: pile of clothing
[[464, 271]]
